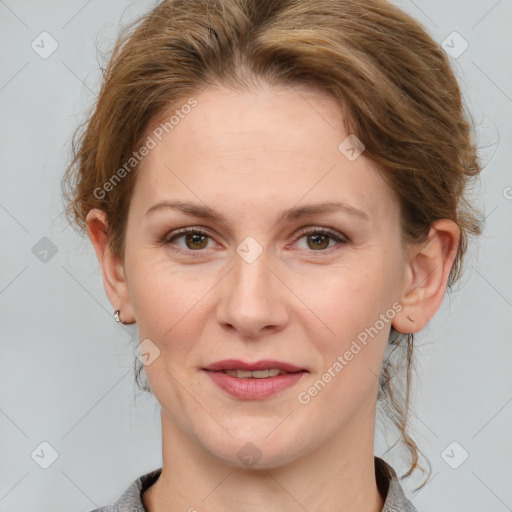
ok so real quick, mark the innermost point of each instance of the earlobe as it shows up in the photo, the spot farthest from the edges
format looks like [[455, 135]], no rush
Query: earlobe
[[426, 276], [113, 274]]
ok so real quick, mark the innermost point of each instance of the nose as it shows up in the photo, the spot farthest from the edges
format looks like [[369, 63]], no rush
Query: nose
[[253, 299]]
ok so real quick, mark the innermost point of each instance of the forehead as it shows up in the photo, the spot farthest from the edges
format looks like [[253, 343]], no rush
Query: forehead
[[234, 147]]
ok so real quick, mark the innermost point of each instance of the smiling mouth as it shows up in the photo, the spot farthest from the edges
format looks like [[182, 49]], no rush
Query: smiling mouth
[[255, 374], [262, 369], [252, 383], [254, 380]]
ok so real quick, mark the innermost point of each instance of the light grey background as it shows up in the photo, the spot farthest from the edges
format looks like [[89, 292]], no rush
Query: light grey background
[[66, 366]]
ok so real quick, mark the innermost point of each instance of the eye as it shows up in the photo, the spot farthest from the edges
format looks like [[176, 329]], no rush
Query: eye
[[194, 239], [319, 239]]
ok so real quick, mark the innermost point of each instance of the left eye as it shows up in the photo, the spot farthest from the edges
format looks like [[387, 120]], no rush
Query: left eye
[[319, 239]]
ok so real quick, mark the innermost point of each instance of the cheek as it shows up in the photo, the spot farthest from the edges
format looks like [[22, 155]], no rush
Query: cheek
[[358, 313], [166, 298], [355, 308], [346, 299]]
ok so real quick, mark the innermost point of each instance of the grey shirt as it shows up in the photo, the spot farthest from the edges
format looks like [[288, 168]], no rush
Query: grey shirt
[[387, 483]]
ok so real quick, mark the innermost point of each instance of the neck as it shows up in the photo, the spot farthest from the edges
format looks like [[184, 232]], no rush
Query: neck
[[339, 475]]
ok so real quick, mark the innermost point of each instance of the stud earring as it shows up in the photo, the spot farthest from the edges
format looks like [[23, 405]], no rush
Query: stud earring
[[410, 318]]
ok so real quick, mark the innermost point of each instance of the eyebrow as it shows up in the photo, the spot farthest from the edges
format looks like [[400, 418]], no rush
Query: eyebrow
[[205, 212]]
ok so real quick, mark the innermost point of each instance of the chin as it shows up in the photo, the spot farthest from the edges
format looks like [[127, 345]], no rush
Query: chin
[[255, 451]]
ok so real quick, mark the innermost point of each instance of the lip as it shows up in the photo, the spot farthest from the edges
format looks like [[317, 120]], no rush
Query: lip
[[253, 388], [236, 364]]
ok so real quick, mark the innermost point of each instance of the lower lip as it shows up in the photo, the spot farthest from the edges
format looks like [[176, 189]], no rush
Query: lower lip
[[252, 388]]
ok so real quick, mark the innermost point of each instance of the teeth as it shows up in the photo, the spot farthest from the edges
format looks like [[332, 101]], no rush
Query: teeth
[[258, 374]]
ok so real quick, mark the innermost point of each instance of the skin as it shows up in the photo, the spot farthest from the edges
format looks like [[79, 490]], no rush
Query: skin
[[248, 156]]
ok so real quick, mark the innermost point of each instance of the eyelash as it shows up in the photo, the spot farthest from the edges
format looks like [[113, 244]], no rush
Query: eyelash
[[302, 233]]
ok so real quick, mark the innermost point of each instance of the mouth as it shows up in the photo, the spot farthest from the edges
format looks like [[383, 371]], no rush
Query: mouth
[[256, 374], [259, 370], [254, 381]]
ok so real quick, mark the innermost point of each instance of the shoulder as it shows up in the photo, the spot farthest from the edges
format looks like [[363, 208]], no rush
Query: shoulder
[[390, 488], [131, 499]]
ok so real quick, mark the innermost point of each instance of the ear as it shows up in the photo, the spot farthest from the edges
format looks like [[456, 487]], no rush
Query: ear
[[112, 268], [426, 277]]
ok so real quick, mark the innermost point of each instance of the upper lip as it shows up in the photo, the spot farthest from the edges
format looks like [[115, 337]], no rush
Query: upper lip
[[266, 364]]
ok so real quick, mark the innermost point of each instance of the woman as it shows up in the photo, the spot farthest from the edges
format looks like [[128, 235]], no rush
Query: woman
[[275, 193]]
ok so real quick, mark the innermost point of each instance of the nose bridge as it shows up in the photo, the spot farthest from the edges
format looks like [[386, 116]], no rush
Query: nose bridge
[[252, 298]]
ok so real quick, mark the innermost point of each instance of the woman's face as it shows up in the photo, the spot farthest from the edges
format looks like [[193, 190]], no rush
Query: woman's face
[[258, 281]]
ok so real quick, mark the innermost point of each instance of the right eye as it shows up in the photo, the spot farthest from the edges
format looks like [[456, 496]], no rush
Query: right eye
[[194, 239]]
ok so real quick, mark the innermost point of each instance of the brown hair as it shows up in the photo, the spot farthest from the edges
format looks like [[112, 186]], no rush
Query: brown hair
[[392, 80]]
